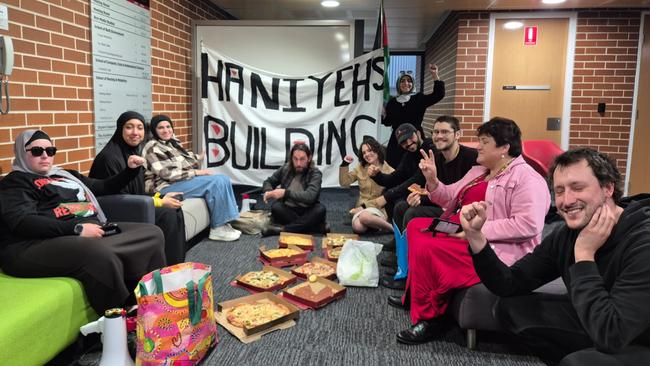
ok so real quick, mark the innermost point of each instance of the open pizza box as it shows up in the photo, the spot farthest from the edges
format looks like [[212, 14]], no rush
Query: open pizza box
[[331, 253], [315, 294], [298, 258], [303, 241], [286, 278], [248, 335], [337, 240], [317, 260]]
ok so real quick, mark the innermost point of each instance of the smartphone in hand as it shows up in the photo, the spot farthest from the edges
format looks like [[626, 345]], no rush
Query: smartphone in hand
[[111, 228], [444, 226]]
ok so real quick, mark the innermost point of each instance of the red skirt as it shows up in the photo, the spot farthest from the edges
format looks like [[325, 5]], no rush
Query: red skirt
[[437, 266]]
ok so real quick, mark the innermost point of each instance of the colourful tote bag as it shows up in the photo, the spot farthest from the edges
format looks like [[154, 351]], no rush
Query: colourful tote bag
[[175, 324]]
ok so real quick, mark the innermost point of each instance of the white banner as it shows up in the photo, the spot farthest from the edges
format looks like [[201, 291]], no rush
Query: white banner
[[251, 118]]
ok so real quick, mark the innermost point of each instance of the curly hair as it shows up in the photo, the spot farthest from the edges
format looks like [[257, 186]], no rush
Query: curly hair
[[503, 131], [374, 146], [603, 167]]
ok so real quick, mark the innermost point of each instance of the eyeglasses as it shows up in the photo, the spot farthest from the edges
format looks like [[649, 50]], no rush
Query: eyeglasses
[[38, 151], [441, 132]]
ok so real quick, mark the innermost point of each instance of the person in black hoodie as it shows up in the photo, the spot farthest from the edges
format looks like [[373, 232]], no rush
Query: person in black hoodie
[[51, 225], [126, 141], [601, 252]]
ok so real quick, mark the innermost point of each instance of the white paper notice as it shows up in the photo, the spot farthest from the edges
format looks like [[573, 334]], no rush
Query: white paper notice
[[121, 35]]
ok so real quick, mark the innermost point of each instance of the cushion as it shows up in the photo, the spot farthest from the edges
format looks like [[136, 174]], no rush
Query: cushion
[[40, 317], [196, 215]]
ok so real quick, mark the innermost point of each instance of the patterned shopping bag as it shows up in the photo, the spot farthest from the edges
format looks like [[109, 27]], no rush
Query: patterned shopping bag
[[175, 323]]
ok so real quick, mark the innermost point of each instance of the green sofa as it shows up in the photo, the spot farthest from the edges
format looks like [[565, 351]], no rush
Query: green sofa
[[40, 317]]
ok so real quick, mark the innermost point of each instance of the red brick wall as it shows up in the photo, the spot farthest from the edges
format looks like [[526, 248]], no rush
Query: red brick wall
[[441, 51], [51, 85], [604, 70], [466, 80]]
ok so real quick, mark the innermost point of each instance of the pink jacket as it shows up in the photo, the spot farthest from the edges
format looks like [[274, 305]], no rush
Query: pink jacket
[[520, 199]]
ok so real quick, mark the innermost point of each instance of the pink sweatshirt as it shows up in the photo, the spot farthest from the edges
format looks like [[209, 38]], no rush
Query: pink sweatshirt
[[520, 200]]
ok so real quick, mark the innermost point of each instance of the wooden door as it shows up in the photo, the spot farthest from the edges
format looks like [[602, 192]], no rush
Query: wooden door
[[639, 173], [528, 80]]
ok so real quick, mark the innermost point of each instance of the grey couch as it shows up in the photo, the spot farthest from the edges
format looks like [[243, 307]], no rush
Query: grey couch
[[473, 307], [140, 209]]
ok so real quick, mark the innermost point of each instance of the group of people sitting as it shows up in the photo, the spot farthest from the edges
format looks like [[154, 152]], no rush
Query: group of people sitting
[[51, 225]]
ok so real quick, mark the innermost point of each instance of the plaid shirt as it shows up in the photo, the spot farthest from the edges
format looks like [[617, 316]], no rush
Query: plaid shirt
[[166, 165]]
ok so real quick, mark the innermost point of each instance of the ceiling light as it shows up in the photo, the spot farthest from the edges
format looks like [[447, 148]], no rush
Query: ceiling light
[[330, 3], [553, 1], [513, 24]]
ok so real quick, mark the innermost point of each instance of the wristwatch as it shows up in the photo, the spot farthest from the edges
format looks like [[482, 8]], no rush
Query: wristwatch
[[78, 229]]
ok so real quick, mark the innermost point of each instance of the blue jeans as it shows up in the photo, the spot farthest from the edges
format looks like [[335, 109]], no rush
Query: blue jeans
[[217, 192]]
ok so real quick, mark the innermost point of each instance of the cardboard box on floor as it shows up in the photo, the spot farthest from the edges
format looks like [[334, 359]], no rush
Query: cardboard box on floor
[[299, 258], [303, 241], [285, 277], [330, 237], [338, 291], [317, 260], [253, 334]]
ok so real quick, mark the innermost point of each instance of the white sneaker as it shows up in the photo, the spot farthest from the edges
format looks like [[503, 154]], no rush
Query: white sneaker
[[233, 229], [223, 233]]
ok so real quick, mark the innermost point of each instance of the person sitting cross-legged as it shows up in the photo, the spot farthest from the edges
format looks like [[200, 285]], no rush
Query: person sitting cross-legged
[[295, 188]]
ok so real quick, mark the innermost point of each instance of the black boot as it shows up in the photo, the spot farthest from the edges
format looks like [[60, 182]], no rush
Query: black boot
[[422, 332], [272, 229]]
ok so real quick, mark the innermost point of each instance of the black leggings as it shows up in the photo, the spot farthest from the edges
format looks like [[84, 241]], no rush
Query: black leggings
[[299, 219], [107, 267], [548, 325]]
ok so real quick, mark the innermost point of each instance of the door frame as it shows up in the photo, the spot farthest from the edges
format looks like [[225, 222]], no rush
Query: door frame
[[568, 73], [635, 96]]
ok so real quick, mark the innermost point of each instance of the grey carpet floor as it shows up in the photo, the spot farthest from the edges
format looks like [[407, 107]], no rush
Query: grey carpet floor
[[356, 330]]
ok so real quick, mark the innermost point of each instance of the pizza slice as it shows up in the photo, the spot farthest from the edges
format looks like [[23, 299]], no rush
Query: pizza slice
[[415, 188]]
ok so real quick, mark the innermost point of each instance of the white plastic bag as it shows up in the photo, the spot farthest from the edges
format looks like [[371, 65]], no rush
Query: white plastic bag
[[357, 265]]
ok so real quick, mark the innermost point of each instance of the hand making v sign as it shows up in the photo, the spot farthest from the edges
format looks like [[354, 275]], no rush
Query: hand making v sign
[[428, 168]]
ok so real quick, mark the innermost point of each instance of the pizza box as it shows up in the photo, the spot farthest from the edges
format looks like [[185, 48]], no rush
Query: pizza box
[[335, 291], [317, 260], [327, 240], [247, 335], [327, 250], [297, 259], [303, 241], [286, 278]]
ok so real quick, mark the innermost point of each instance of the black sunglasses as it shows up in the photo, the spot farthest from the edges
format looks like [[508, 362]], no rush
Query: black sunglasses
[[38, 151]]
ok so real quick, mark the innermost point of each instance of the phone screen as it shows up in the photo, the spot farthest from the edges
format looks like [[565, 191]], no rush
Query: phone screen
[[444, 226]]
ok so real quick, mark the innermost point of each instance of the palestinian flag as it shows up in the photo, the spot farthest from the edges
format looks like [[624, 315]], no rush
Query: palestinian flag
[[381, 40]]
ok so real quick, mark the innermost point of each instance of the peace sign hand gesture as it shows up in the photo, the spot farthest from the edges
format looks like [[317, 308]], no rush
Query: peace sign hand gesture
[[428, 168]]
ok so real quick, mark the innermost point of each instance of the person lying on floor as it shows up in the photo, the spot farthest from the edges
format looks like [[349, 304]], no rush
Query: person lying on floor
[[51, 225], [601, 252], [519, 199], [366, 215], [295, 188], [126, 141], [171, 168]]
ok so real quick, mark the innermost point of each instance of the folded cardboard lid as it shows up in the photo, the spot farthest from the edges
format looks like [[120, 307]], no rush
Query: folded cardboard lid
[[301, 240]]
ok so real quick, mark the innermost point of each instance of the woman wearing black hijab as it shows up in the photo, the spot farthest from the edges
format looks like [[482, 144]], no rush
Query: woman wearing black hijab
[[127, 141], [50, 226]]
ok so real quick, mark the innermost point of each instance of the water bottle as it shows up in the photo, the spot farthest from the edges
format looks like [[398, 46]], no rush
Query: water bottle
[[246, 203]]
